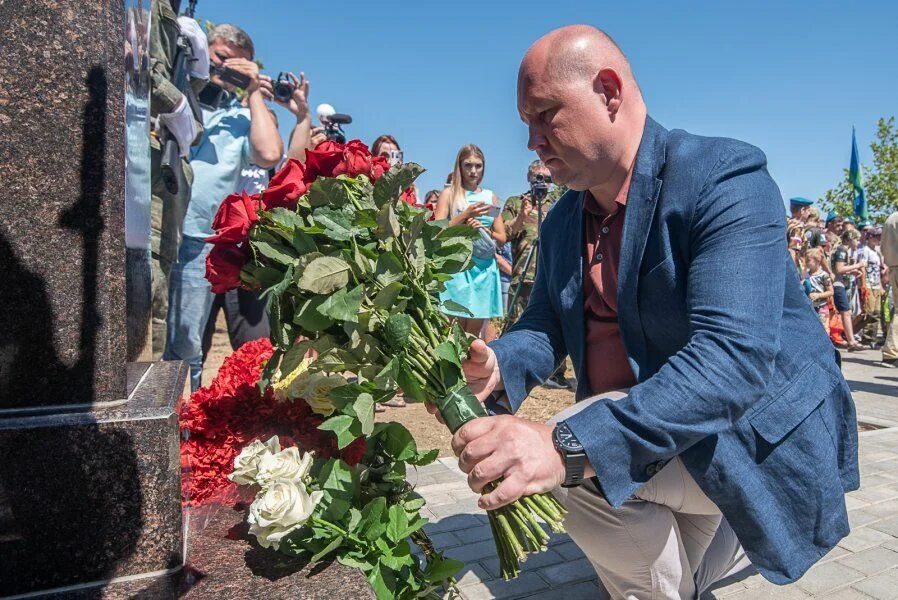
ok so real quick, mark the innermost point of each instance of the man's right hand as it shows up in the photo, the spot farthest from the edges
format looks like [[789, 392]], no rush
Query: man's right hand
[[248, 68]]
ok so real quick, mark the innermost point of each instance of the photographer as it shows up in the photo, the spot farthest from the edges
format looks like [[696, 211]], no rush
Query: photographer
[[521, 223], [234, 137]]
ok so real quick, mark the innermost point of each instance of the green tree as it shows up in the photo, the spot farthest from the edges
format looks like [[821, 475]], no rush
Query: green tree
[[880, 180]]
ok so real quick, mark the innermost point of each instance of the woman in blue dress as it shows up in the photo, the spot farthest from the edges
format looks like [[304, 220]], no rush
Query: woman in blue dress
[[464, 202]]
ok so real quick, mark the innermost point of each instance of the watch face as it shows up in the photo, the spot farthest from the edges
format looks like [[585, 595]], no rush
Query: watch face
[[567, 440]]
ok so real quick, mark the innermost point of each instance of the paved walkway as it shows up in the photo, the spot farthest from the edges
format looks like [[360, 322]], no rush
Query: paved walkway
[[864, 565]]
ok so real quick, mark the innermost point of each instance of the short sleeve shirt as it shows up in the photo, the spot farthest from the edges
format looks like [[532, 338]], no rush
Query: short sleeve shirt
[[874, 262], [817, 283], [217, 162], [842, 254]]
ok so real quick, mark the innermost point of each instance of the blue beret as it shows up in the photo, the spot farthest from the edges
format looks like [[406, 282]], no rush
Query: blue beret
[[799, 201]]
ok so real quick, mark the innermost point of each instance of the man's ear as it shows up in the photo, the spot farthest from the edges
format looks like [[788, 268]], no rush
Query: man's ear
[[608, 83]]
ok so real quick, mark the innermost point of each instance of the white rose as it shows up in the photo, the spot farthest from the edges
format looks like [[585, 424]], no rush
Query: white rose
[[246, 465], [288, 465], [283, 508], [317, 392]]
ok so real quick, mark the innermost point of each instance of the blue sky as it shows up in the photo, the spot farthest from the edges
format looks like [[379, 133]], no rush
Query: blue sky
[[789, 77]]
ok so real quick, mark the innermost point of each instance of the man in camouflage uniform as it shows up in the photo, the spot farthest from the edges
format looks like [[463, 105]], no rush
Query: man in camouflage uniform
[[166, 100], [521, 225]]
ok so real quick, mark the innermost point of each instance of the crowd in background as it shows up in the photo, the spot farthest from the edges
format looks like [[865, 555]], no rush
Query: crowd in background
[[230, 144], [848, 267]]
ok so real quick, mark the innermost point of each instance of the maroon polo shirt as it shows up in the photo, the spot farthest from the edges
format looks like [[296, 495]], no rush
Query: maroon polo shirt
[[606, 358]]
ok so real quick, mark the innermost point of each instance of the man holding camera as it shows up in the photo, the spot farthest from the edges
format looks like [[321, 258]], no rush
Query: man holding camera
[[521, 215], [713, 424], [235, 137]]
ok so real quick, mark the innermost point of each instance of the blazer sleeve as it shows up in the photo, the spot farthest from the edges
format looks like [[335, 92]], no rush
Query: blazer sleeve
[[734, 297], [534, 346]]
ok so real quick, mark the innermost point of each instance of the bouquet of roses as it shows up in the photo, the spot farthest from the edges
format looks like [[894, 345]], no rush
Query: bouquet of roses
[[355, 274]]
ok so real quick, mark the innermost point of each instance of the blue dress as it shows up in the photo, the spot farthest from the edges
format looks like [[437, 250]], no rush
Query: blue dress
[[479, 289]]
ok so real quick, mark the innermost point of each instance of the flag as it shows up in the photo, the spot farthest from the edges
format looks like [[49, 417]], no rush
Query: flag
[[856, 179]]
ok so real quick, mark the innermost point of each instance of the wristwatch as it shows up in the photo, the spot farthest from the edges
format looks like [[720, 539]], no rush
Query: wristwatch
[[572, 453]]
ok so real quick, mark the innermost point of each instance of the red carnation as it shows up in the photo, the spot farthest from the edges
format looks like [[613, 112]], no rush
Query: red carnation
[[322, 161], [235, 217], [223, 265], [288, 185]]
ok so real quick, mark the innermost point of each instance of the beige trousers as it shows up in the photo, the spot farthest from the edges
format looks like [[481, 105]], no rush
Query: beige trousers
[[890, 348], [668, 541]]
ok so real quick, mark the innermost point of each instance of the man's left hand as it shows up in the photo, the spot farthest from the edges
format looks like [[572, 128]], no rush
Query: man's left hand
[[519, 451], [298, 104], [248, 68]]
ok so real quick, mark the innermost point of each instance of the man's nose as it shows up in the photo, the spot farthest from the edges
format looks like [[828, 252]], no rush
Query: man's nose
[[535, 139]]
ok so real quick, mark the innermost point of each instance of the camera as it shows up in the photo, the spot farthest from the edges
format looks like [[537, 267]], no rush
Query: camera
[[283, 88], [228, 75], [332, 121], [539, 187]]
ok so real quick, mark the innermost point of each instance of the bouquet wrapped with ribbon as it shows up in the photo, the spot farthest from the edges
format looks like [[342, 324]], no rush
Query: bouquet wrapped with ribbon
[[352, 276]]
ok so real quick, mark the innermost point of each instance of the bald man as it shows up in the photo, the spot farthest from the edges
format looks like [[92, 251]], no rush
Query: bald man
[[663, 274]]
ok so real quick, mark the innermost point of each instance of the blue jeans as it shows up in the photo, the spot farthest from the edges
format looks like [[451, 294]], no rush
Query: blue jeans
[[189, 302]]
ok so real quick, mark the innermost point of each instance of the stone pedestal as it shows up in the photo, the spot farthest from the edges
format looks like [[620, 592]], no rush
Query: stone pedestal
[[89, 497]]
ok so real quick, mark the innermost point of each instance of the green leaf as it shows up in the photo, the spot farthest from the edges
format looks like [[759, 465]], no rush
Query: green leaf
[[456, 307], [387, 223], [270, 369], [387, 297], [343, 305], [442, 569], [279, 253], [397, 441], [328, 190], [340, 485], [392, 183], [364, 410], [448, 351], [418, 255], [308, 316], [409, 383], [380, 579], [389, 269], [336, 222], [303, 242], [345, 427], [413, 505], [398, 523], [325, 275], [333, 545], [397, 330], [398, 557], [425, 458], [374, 519]]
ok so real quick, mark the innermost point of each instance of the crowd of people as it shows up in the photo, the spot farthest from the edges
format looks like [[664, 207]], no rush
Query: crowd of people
[[231, 143], [847, 268]]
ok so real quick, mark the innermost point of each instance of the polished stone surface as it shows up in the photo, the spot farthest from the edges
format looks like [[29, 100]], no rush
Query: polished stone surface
[[93, 495], [62, 337], [223, 561]]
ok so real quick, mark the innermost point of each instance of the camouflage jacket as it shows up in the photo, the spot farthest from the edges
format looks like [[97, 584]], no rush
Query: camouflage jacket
[[522, 235]]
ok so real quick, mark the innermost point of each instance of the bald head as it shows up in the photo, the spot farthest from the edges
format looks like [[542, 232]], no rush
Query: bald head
[[578, 96], [575, 52]]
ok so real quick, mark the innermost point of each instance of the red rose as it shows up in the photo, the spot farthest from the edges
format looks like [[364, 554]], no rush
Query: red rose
[[410, 196], [356, 160], [322, 161], [235, 217], [379, 166], [286, 186], [223, 265]]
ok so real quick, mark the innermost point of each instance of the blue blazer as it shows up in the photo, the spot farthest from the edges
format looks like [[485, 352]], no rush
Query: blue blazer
[[735, 374]]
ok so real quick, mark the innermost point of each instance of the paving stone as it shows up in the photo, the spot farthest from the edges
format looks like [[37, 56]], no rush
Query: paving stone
[[874, 480], [438, 500], [475, 534], [444, 488], [525, 585], [883, 510], [872, 561], [770, 592], [860, 517], [586, 590], [755, 580], [446, 476], [558, 538], [882, 587], [828, 577], [889, 526], [845, 594], [472, 573], [851, 502], [569, 550], [727, 587], [891, 544], [533, 562], [568, 572], [455, 507], [471, 552], [833, 554], [444, 540], [452, 523], [863, 538]]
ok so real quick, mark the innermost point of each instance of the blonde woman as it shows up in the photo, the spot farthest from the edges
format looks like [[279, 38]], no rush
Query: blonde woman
[[465, 202]]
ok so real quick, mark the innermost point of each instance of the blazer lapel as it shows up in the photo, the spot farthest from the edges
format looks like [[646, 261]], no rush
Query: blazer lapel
[[642, 198]]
